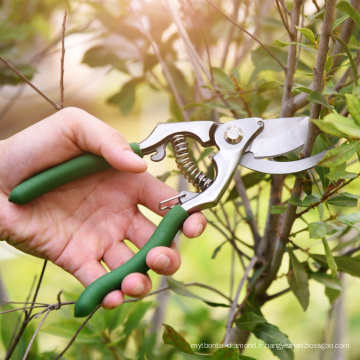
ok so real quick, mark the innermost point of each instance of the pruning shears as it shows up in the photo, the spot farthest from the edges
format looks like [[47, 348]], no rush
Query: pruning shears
[[249, 142]]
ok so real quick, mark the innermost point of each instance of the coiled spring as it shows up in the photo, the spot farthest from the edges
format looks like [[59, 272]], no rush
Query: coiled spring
[[187, 164]]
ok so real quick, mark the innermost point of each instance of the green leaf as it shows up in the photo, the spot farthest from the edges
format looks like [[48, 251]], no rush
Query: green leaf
[[180, 80], [223, 79], [338, 125], [135, 316], [346, 7], [179, 288], [337, 173], [332, 294], [351, 59], [308, 184], [295, 201], [343, 200], [275, 340], [353, 105], [317, 230], [338, 21], [249, 321], [278, 209], [347, 264], [243, 357], [9, 77], [310, 200], [298, 281], [171, 337], [318, 98], [302, 89], [269, 85], [326, 279], [226, 353], [339, 155], [280, 43], [329, 257], [125, 98], [328, 125], [349, 219], [307, 33], [100, 56]]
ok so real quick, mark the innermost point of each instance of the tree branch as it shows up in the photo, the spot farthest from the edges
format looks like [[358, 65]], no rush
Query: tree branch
[[23, 77], [290, 214], [62, 61], [236, 299], [248, 33]]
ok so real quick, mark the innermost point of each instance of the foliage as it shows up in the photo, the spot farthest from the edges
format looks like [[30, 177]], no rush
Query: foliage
[[295, 62]]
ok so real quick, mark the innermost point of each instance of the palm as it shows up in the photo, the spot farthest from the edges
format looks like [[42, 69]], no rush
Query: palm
[[85, 221]]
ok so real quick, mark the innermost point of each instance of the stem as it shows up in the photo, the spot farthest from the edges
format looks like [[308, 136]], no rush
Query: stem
[[236, 299], [62, 61], [23, 77], [76, 334], [27, 315], [290, 215], [248, 33], [35, 334]]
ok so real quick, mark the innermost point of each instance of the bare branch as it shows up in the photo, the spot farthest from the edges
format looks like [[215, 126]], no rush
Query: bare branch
[[236, 299], [162, 62], [290, 214], [62, 61], [35, 334], [249, 213], [248, 33], [23, 77], [76, 334]]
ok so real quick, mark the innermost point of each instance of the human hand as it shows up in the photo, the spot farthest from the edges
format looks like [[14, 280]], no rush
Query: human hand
[[85, 222]]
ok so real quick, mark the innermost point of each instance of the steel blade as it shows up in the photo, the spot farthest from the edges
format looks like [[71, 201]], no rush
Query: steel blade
[[279, 137], [274, 167]]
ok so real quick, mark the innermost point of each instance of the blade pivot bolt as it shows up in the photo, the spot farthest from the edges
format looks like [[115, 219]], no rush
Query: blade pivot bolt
[[233, 135]]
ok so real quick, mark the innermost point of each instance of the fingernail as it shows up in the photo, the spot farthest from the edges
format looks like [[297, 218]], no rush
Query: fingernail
[[138, 289], [199, 230], [134, 157], [161, 262]]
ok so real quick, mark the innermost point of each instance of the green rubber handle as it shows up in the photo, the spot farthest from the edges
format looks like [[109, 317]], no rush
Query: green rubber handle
[[163, 236], [59, 175]]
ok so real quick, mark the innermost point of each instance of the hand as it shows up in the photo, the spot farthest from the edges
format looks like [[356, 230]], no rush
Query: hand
[[85, 222]]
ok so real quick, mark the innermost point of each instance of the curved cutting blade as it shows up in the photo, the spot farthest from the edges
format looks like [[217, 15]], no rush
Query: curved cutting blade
[[279, 137], [274, 167]]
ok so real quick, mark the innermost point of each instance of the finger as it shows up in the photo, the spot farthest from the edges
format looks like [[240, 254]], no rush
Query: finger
[[91, 271], [164, 260], [62, 136], [194, 225], [93, 135], [136, 285], [152, 191]]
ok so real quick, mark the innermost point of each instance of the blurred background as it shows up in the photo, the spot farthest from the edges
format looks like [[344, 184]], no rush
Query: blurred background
[[105, 70]]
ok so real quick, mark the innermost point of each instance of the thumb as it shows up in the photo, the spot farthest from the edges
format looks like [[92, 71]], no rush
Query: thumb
[[92, 135]]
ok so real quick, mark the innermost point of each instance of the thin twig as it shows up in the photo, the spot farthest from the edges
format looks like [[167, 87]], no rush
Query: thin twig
[[76, 334], [162, 62], [23, 77], [290, 215], [27, 315], [249, 34], [35, 334], [236, 299], [194, 58], [62, 61]]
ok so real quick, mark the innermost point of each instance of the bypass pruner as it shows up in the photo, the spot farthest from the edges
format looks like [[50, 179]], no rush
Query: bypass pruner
[[249, 142]]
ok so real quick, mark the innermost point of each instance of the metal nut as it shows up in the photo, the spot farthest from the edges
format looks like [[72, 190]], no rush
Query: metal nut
[[233, 135]]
